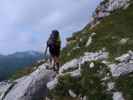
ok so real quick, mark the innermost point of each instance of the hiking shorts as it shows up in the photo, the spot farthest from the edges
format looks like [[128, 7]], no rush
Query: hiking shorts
[[54, 51]]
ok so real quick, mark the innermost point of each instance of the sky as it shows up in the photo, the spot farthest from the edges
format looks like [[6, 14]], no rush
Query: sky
[[26, 24]]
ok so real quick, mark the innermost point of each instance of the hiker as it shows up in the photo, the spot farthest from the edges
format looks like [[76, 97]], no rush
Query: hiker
[[54, 44]]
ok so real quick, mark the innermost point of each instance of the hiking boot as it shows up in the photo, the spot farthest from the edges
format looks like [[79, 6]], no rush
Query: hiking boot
[[57, 67], [54, 68]]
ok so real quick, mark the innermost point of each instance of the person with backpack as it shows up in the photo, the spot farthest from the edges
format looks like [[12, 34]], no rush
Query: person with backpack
[[54, 45]]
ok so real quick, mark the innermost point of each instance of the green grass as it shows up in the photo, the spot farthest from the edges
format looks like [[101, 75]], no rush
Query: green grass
[[118, 25], [90, 84], [109, 33], [125, 84]]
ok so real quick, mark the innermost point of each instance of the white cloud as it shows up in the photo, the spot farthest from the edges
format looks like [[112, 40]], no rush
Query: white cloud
[[26, 24]]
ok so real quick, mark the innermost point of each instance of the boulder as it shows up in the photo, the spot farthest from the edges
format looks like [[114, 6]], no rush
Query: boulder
[[31, 87]]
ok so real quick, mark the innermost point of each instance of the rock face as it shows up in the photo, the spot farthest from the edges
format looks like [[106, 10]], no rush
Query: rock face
[[124, 67], [73, 67], [4, 87], [32, 87], [106, 8], [35, 86], [118, 96]]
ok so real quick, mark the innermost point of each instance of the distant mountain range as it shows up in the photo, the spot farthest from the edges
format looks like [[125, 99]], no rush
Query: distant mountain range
[[13, 62]]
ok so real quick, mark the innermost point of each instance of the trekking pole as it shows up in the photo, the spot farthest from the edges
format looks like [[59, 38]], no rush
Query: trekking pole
[[45, 53]]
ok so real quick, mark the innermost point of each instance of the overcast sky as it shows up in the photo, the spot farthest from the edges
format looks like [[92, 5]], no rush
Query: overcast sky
[[26, 24]]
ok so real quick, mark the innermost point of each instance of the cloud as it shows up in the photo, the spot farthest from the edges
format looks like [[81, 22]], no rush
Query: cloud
[[26, 24]]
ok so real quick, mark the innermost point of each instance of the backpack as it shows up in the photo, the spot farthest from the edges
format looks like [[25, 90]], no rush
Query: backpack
[[54, 39]]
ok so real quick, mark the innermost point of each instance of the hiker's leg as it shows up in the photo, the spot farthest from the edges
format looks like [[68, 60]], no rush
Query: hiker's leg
[[50, 60], [53, 57], [57, 63], [54, 63], [57, 60]]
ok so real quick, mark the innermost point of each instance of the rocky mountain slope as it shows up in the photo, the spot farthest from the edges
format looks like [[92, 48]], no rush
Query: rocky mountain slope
[[97, 63], [31, 87]]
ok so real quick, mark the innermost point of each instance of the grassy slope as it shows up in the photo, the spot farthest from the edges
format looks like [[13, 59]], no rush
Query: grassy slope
[[109, 32], [119, 25], [89, 84], [125, 84]]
